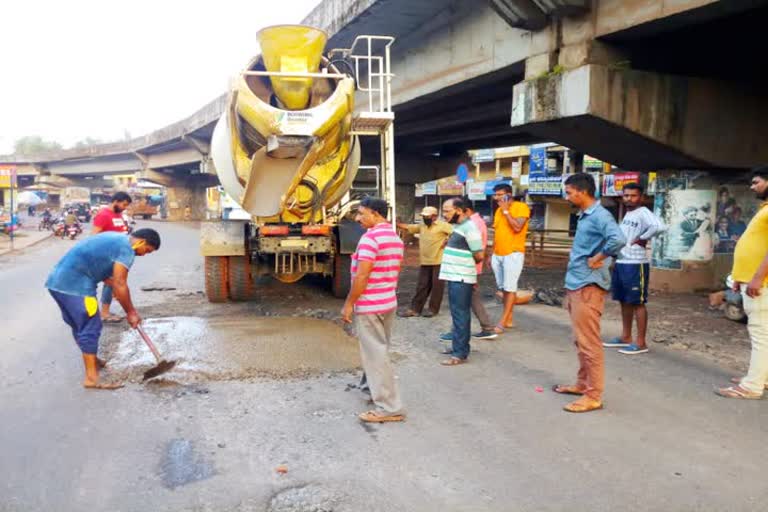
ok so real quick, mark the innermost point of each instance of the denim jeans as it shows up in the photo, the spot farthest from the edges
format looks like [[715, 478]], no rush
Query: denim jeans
[[460, 299]]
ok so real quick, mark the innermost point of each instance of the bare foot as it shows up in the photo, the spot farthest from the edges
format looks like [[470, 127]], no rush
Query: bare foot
[[102, 385]]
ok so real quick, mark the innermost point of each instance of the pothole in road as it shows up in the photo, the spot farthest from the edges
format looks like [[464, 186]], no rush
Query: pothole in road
[[233, 348], [305, 498]]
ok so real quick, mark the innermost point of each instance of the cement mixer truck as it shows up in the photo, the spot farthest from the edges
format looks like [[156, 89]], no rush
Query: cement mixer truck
[[287, 149]]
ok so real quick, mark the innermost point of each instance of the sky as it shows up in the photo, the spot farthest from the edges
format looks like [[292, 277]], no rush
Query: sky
[[71, 69]]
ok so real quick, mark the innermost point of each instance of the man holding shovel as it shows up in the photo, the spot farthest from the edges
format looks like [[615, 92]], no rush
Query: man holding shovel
[[106, 257]]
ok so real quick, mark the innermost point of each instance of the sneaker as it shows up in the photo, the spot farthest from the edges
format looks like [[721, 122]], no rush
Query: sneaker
[[448, 336], [485, 335], [616, 343], [633, 350]]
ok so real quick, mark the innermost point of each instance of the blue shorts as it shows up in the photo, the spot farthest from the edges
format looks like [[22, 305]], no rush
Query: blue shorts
[[82, 315], [629, 283]]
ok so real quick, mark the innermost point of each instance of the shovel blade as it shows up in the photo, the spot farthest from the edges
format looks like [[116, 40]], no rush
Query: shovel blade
[[162, 367]]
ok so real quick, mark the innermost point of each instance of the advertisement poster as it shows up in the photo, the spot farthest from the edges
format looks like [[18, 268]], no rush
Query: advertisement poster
[[614, 183], [476, 191], [690, 217], [545, 185], [736, 205], [517, 168]]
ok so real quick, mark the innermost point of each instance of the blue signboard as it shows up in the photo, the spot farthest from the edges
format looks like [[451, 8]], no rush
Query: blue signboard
[[462, 173], [538, 161]]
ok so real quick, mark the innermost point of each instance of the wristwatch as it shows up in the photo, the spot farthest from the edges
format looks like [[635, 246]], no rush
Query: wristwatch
[[505, 212]]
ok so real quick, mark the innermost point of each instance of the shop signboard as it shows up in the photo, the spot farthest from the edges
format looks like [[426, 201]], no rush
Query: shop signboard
[[538, 160], [483, 155], [545, 185], [592, 162], [450, 189], [614, 183], [428, 188], [476, 191], [517, 168], [7, 176]]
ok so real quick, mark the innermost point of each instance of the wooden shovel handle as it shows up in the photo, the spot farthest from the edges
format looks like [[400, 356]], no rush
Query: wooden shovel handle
[[149, 343]]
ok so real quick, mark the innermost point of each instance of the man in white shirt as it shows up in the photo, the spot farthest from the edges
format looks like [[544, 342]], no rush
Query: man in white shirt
[[629, 282]]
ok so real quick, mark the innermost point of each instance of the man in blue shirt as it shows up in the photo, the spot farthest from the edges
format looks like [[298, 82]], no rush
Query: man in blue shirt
[[587, 282], [106, 257]]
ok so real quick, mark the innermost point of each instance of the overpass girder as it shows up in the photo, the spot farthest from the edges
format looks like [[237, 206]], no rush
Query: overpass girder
[[95, 166]]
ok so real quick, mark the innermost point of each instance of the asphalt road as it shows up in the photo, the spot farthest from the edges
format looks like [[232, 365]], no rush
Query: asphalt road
[[479, 436]]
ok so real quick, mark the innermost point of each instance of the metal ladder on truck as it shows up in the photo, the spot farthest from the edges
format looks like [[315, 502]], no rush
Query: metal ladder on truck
[[369, 56]]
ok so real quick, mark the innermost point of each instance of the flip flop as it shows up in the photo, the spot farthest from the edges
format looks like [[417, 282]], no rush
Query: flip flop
[[564, 389], [737, 380], [374, 417], [454, 361], [738, 392], [112, 319]]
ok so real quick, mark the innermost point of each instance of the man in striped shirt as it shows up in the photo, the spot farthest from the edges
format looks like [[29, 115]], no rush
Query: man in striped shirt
[[464, 250], [375, 269]]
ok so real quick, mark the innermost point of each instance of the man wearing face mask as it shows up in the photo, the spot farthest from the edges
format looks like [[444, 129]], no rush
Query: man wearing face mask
[[110, 219], [72, 284], [463, 252], [433, 235]]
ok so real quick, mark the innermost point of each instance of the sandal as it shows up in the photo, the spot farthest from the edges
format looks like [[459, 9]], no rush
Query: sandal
[[374, 417], [454, 361], [499, 329], [738, 392], [408, 313], [737, 380], [583, 404], [112, 319], [564, 389]]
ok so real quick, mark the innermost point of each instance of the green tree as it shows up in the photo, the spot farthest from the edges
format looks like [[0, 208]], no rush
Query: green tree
[[88, 141], [34, 145]]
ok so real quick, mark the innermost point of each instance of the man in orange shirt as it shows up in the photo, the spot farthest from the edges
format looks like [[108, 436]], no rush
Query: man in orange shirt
[[510, 223]]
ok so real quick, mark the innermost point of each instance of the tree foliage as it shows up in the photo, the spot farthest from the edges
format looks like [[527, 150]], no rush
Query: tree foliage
[[34, 145]]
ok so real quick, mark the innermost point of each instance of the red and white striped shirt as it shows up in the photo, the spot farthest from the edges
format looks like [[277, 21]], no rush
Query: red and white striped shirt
[[383, 247]]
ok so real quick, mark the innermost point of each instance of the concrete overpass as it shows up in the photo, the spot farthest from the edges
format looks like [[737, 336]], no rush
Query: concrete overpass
[[640, 83]]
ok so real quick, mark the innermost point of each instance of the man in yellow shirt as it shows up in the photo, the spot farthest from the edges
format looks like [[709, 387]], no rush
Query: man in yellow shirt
[[433, 235], [510, 224], [750, 269]]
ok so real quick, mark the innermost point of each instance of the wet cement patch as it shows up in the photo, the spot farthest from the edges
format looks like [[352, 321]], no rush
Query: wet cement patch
[[229, 348], [181, 465]]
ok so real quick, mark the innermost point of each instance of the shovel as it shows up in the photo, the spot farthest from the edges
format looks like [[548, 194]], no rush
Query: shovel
[[162, 365]]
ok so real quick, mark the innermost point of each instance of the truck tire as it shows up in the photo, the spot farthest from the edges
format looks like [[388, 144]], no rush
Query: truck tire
[[217, 278], [241, 283], [341, 281]]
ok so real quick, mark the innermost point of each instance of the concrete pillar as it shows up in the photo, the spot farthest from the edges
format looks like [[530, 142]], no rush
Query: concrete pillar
[[187, 200]]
